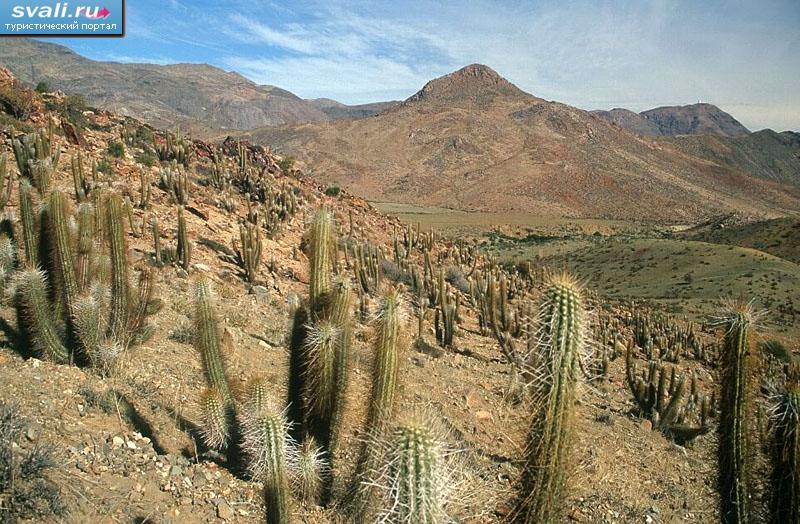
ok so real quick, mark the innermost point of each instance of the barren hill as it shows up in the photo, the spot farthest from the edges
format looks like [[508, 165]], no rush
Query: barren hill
[[472, 140], [694, 119]]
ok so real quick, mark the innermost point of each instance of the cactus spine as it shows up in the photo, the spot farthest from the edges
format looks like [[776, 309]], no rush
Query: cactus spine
[[734, 462], [786, 457], [560, 340]]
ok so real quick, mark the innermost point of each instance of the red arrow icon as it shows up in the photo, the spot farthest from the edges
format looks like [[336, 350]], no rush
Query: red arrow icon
[[103, 13]]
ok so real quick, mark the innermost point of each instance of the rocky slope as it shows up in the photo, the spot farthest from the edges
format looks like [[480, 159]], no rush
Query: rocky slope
[[472, 140]]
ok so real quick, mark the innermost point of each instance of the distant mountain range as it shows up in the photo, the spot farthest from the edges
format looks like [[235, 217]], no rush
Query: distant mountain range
[[193, 96], [695, 119], [472, 140], [468, 140]]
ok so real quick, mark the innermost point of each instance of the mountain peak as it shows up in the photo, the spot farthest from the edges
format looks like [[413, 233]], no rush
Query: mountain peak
[[475, 83]]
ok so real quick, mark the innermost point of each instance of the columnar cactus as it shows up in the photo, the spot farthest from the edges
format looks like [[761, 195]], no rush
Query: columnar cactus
[[308, 471], [62, 256], [34, 316], [184, 249], [209, 343], [266, 442], [29, 226], [250, 251], [415, 477], [120, 299], [786, 457], [560, 339], [388, 346], [321, 253], [734, 461]]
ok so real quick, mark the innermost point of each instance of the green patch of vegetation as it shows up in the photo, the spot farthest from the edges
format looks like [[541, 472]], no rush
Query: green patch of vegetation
[[16, 101], [7, 121], [146, 159], [286, 164], [43, 87], [333, 190], [72, 108], [105, 167], [116, 149]]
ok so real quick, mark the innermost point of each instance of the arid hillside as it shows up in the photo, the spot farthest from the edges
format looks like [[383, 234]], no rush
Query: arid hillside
[[473, 141]]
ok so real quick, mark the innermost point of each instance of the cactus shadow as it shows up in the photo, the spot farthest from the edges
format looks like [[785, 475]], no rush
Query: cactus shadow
[[232, 460], [137, 421], [15, 340]]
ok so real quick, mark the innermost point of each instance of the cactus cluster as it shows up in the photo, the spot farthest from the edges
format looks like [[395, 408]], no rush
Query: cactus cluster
[[37, 157], [174, 149], [69, 308], [664, 400], [249, 251], [175, 182]]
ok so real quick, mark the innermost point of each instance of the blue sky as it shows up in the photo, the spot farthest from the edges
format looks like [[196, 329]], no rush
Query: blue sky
[[743, 56]]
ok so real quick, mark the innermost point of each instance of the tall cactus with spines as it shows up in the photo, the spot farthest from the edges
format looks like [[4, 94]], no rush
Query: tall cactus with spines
[[250, 252], [388, 346], [320, 356], [266, 440], [35, 317], [62, 256], [340, 316], [389, 339], [184, 249], [785, 504], [321, 253], [218, 401], [120, 299], [208, 340], [416, 488], [29, 226], [85, 245], [560, 339], [82, 187], [734, 459]]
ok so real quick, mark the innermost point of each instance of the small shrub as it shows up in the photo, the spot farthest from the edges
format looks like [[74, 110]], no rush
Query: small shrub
[[104, 167], [455, 276], [42, 87], [333, 191], [25, 490], [146, 159], [116, 149], [286, 164], [16, 100]]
